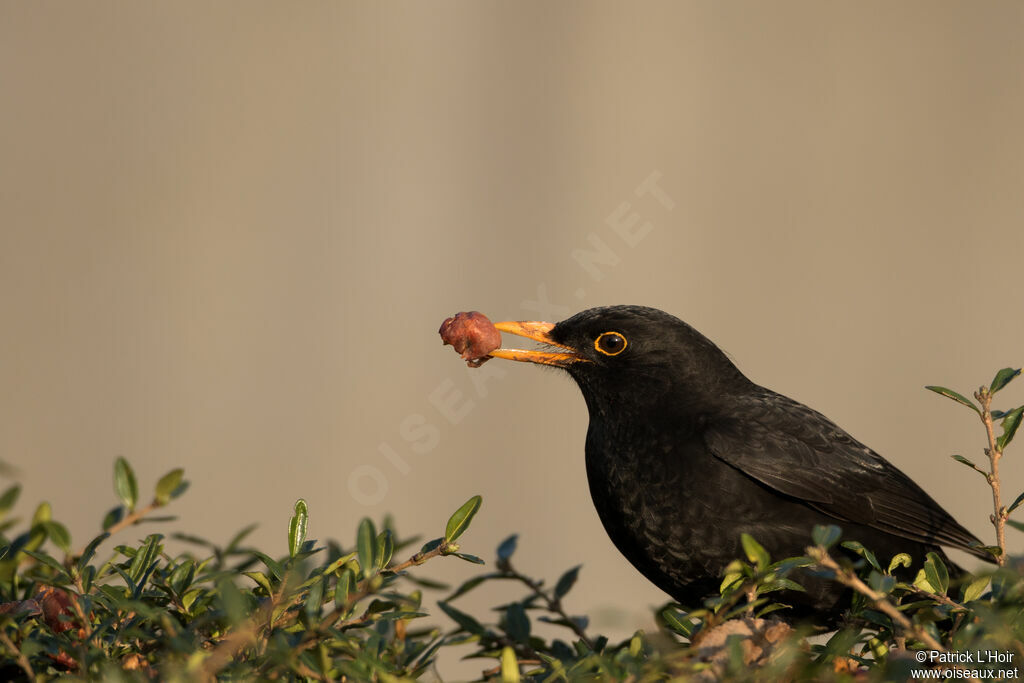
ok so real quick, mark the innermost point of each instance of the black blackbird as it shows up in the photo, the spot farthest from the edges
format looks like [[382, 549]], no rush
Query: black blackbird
[[684, 453]]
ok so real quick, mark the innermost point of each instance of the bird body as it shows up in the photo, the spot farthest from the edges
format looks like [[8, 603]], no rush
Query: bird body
[[684, 454]]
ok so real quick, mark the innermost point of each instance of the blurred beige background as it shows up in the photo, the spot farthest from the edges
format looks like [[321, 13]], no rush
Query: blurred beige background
[[229, 232]]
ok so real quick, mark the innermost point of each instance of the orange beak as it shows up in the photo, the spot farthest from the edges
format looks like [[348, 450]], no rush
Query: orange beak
[[536, 331]]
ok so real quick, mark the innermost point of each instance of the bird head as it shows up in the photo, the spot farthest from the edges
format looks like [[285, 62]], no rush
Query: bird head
[[635, 352]]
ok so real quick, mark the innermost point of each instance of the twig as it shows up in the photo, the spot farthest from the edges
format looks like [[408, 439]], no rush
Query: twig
[[879, 600], [553, 604], [993, 452], [363, 589], [22, 660]]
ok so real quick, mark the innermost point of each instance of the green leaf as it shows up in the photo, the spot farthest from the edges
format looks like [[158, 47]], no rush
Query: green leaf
[[90, 550], [274, 566], [566, 582], [469, 585], [58, 533], [883, 583], [773, 607], [465, 621], [385, 548], [1019, 526], [43, 513], [297, 527], [9, 498], [863, 552], [975, 588], [262, 580], [756, 553], [314, 601], [147, 554], [346, 582], [48, 561], [469, 558], [949, 393], [961, 459], [459, 521], [1015, 504], [826, 535], [124, 483], [1002, 378], [338, 563], [678, 623], [366, 546], [431, 546], [169, 486], [899, 560], [936, 573], [1010, 424], [517, 624], [113, 517], [507, 547], [509, 666]]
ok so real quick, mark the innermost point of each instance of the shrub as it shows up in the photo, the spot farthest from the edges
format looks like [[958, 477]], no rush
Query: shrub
[[356, 612]]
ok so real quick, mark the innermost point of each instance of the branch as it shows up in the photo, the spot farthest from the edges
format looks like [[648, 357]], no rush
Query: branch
[[994, 453], [879, 600], [22, 660], [553, 604]]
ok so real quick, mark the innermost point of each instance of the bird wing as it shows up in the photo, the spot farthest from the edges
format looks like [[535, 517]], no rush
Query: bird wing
[[801, 453]]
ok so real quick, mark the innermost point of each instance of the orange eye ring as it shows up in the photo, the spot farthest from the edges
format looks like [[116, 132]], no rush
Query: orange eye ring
[[610, 343]]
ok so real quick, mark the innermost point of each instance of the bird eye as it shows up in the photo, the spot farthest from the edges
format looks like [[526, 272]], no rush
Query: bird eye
[[610, 343]]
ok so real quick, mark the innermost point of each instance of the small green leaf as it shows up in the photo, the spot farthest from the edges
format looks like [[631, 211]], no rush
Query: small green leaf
[[469, 558], [168, 486], [509, 666], [43, 513], [90, 550], [465, 621], [974, 589], [517, 624], [385, 548], [678, 623], [261, 579], [124, 483], [734, 575], [9, 498], [314, 601], [1002, 378], [366, 546], [1010, 424], [961, 459], [459, 522], [507, 547], [273, 565], [147, 554], [566, 582], [467, 586], [58, 533], [756, 553], [773, 607], [863, 552], [949, 393], [1015, 504], [49, 561], [113, 517], [899, 560], [346, 582], [826, 535], [883, 583], [297, 527], [936, 573], [431, 546]]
